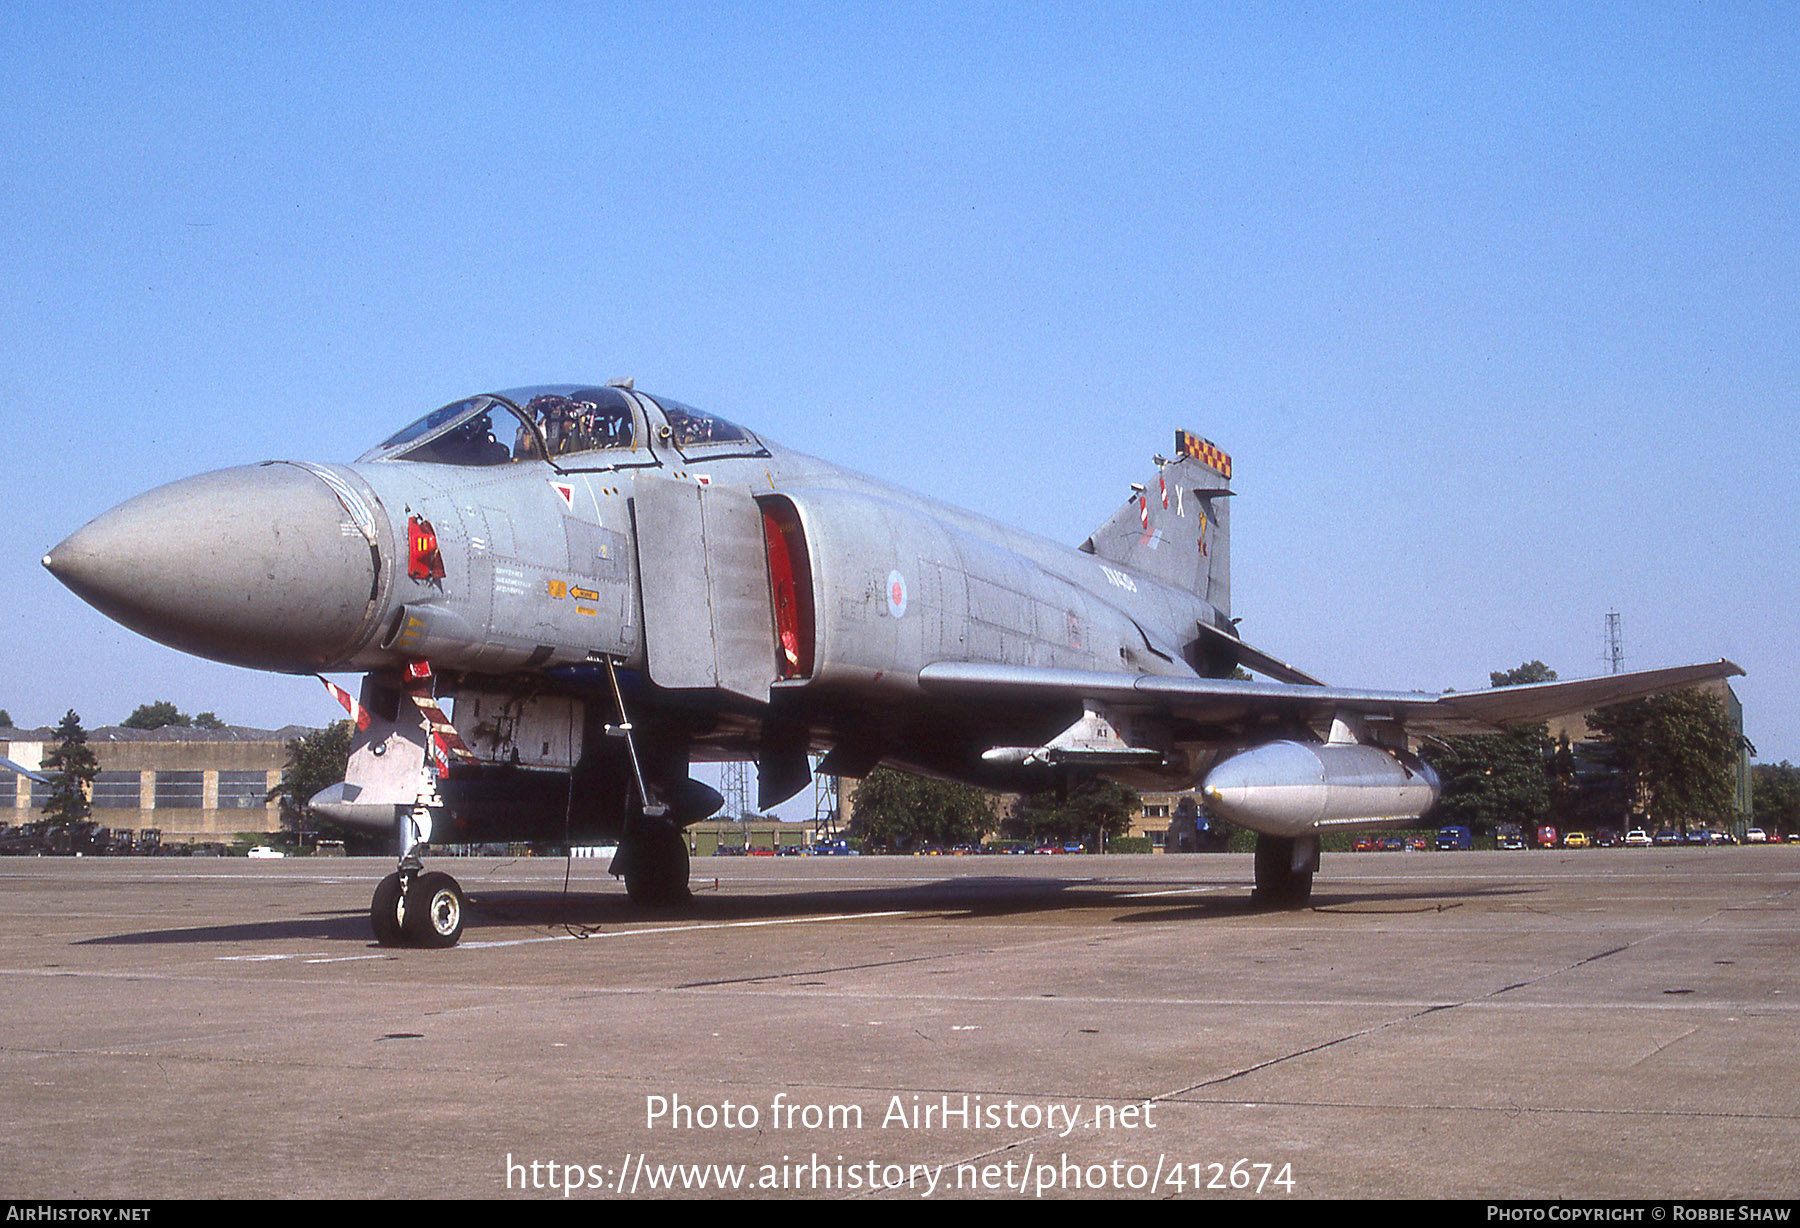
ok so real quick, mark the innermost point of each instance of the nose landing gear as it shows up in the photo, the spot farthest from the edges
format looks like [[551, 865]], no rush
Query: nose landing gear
[[413, 907]]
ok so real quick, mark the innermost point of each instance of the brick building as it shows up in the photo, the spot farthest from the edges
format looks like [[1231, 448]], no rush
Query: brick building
[[191, 784]]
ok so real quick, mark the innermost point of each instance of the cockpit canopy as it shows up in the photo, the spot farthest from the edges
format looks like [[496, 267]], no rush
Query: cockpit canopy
[[561, 423]]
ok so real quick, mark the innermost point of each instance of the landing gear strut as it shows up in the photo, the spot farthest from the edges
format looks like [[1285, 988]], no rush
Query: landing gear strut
[[653, 855], [1284, 870]]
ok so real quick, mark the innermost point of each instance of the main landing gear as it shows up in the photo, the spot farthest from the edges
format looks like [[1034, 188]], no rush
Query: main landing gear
[[653, 858], [1285, 866], [413, 907]]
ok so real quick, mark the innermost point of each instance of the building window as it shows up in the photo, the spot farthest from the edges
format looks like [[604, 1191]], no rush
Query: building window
[[180, 790], [243, 790], [118, 791]]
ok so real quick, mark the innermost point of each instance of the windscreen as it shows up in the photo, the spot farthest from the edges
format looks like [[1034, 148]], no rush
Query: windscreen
[[481, 430], [520, 425]]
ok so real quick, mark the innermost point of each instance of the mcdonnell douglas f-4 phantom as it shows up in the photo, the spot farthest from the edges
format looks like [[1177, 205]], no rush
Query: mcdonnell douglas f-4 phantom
[[610, 585]]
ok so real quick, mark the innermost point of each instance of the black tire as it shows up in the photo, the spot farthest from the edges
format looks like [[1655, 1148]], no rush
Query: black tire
[[387, 912], [656, 874], [434, 911], [1278, 884]]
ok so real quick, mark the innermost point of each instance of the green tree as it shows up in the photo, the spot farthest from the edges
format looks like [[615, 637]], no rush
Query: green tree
[[1531, 671], [1678, 751], [1564, 783], [897, 810], [315, 762], [208, 720], [71, 767], [1775, 796], [156, 716], [1497, 778], [1092, 811], [6, 721]]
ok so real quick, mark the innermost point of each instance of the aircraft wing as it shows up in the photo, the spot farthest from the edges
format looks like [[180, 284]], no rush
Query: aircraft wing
[[1227, 701]]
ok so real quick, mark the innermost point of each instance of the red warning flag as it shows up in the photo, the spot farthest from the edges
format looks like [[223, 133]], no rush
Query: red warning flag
[[423, 562], [358, 713], [445, 744]]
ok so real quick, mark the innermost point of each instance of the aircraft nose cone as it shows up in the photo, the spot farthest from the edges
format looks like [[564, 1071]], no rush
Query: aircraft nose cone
[[259, 566]]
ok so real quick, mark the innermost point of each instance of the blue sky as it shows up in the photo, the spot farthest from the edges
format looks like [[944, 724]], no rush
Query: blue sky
[[1496, 312]]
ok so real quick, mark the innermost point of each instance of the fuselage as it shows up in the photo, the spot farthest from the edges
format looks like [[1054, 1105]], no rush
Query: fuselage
[[515, 542]]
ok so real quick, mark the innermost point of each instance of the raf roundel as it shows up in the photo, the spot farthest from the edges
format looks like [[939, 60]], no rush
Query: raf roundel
[[896, 594]]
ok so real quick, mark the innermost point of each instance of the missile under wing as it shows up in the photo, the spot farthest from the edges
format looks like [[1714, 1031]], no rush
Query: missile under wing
[[562, 597]]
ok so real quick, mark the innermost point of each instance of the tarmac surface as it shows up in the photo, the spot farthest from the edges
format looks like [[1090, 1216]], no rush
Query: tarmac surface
[[1584, 1024]]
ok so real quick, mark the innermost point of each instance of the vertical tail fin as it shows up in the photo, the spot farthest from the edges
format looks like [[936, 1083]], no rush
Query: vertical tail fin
[[1177, 527]]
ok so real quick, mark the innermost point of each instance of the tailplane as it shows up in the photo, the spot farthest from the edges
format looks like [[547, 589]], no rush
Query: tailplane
[[1177, 526]]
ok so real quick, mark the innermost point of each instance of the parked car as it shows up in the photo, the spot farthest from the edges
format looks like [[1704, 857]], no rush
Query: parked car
[[1756, 835], [1577, 840], [1637, 838]]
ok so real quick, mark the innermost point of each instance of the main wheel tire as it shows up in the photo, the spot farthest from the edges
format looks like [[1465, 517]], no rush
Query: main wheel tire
[[434, 911], [1278, 884], [656, 874], [387, 912]]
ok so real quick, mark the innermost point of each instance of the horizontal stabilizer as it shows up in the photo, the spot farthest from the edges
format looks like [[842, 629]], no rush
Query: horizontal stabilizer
[[1254, 659], [26, 772]]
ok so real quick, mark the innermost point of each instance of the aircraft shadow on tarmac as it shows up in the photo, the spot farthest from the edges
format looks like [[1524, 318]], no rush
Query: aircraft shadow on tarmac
[[317, 927], [499, 913]]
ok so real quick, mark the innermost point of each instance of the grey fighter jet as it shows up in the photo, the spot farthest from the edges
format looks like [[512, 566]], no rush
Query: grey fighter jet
[[610, 585]]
